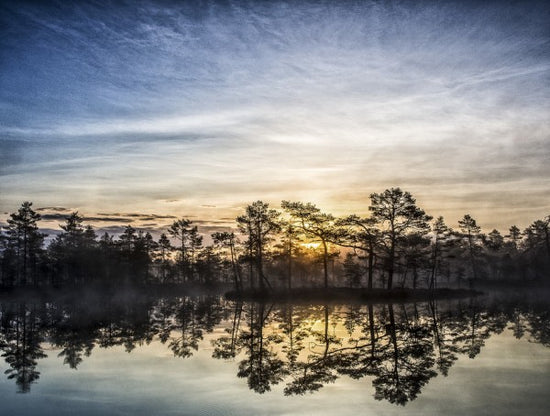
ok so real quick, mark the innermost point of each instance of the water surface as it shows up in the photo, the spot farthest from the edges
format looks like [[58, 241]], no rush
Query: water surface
[[208, 356]]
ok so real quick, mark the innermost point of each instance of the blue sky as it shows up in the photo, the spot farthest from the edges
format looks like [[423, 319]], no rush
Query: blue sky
[[197, 109]]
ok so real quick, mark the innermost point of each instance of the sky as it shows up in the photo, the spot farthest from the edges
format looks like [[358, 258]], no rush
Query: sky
[[148, 111]]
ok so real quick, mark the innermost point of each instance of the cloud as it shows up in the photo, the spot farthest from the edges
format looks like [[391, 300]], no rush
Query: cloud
[[137, 216], [55, 209], [195, 111], [92, 219]]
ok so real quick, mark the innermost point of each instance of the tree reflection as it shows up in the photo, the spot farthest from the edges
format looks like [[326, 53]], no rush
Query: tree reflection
[[445, 349], [316, 371], [406, 360], [226, 347], [262, 367], [20, 344], [398, 348]]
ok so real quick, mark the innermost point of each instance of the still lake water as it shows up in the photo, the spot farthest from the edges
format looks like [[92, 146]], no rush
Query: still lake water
[[209, 356]]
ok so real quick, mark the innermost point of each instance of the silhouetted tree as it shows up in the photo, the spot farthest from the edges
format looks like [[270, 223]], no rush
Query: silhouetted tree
[[540, 231], [514, 237], [441, 240], [73, 251], [228, 240], [289, 239], [494, 241], [416, 252], [471, 233], [396, 212], [144, 248], [109, 258], [164, 248], [494, 244], [208, 265], [183, 231], [6, 256], [361, 234], [24, 242], [259, 223], [352, 271], [317, 226]]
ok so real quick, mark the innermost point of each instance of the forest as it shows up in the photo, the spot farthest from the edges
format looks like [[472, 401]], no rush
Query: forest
[[397, 246]]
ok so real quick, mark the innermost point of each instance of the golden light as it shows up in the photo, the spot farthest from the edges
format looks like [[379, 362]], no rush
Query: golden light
[[311, 246]]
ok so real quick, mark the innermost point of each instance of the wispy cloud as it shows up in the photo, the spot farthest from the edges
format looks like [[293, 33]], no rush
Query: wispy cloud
[[173, 108]]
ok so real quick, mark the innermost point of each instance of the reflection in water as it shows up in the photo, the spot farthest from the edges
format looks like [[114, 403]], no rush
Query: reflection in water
[[401, 347], [20, 345]]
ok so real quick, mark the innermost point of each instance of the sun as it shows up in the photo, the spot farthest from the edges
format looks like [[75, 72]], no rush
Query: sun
[[311, 246]]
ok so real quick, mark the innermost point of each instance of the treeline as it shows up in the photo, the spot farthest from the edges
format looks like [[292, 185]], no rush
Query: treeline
[[398, 245]]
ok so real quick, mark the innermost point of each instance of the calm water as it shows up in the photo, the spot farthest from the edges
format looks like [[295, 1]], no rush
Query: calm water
[[208, 356]]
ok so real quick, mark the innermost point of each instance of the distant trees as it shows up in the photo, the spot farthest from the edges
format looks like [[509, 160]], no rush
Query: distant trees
[[415, 255], [190, 242], [539, 234], [352, 271], [536, 248], [513, 238], [135, 254], [73, 251], [290, 236], [162, 256], [395, 245]]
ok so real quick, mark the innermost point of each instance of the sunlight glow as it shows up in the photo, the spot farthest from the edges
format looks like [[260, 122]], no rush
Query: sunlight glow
[[311, 246]]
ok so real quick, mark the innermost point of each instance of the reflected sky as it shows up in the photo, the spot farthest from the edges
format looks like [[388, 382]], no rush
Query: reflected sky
[[197, 110]]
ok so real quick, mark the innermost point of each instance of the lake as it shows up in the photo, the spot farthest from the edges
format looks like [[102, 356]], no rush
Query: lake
[[204, 355]]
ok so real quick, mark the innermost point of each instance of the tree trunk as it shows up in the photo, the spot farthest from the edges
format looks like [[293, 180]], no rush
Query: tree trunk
[[289, 264], [371, 266], [435, 258], [472, 257], [259, 265], [236, 275], [25, 253], [390, 265], [183, 271], [325, 263]]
